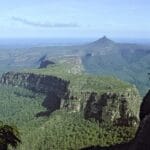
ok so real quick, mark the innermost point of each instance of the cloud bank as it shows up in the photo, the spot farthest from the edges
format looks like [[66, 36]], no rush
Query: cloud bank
[[45, 24]]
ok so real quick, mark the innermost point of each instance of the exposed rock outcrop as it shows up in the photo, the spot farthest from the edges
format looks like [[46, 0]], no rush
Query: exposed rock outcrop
[[141, 140], [116, 107], [55, 88], [36, 83]]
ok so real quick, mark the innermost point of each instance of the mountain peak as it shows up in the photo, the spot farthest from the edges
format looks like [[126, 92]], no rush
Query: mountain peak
[[104, 39]]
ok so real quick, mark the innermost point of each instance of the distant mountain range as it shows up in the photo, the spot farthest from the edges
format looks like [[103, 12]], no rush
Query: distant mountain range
[[130, 62]]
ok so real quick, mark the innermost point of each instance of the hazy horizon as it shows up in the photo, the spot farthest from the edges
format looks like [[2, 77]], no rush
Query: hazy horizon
[[42, 42]]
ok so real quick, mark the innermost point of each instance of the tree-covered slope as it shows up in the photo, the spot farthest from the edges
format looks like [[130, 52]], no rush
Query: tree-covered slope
[[61, 130], [70, 131], [108, 98], [129, 62]]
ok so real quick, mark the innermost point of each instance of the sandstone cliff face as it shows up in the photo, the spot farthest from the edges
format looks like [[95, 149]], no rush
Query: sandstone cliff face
[[119, 108], [54, 88], [36, 83], [141, 140]]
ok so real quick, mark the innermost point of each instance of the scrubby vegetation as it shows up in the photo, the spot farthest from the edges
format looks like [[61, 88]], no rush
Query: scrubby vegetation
[[82, 81], [19, 107], [66, 130], [62, 129]]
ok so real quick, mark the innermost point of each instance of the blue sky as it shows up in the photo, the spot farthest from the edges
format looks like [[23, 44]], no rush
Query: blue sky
[[74, 18]]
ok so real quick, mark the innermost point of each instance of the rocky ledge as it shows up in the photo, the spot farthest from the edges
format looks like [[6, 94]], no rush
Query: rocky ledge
[[36, 83], [121, 108], [141, 140]]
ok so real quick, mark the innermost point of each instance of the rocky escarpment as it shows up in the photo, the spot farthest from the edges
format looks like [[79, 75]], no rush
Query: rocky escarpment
[[36, 83], [55, 88], [119, 107], [141, 140]]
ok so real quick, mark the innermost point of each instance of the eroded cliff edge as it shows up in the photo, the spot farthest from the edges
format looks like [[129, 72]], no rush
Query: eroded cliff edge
[[141, 140], [109, 105], [53, 87], [36, 83]]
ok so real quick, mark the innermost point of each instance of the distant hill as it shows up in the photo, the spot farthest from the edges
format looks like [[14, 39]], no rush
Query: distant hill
[[129, 62]]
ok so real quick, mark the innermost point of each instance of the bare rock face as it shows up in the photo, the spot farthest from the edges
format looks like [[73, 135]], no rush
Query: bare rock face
[[54, 88], [36, 83], [114, 107], [141, 140], [120, 108]]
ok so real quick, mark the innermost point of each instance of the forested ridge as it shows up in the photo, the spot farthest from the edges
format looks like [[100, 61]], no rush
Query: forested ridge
[[61, 130]]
